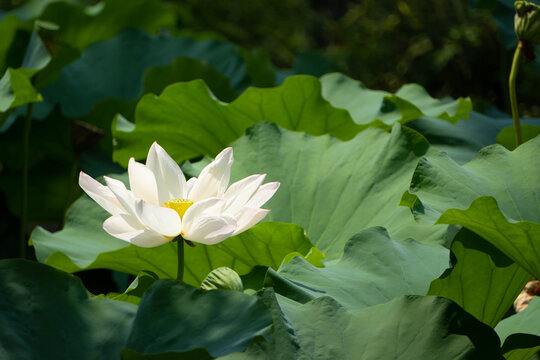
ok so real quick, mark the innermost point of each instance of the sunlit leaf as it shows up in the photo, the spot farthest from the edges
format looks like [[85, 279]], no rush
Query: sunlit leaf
[[373, 269], [495, 195]]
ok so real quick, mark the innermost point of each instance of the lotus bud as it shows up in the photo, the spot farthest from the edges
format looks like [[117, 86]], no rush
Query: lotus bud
[[527, 22], [223, 278]]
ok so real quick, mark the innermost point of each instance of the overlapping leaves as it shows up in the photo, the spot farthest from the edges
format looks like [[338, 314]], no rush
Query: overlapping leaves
[[495, 195], [188, 121]]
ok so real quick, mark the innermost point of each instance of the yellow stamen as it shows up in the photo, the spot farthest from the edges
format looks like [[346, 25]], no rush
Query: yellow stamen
[[179, 205]]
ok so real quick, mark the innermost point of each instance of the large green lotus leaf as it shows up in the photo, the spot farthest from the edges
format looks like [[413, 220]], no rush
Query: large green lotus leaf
[[82, 244], [188, 121], [174, 317], [407, 327], [372, 270], [203, 126], [383, 109], [483, 281], [520, 333], [335, 189], [47, 313], [500, 189], [115, 68]]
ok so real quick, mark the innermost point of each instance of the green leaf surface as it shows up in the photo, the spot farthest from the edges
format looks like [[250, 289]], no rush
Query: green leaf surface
[[335, 189], [188, 121], [407, 327], [45, 312], [203, 126], [175, 317], [463, 140], [115, 68], [82, 244], [383, 109], [507, 135], [483, 281], [16, 89], [520, 333], [373, 269], [498, 192]]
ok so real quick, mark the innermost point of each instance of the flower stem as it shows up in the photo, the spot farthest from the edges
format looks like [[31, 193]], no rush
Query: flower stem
[[180, 272], [24, 199], [512, 91]]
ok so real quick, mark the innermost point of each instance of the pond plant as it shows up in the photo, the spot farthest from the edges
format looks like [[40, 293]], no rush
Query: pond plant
[[240, 211]]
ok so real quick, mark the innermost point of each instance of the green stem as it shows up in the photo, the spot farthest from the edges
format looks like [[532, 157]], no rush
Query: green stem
[[180, 272], [24, 201], [512, 92]]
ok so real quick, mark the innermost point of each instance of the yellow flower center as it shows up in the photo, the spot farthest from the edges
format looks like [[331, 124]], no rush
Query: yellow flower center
[[179, 205]]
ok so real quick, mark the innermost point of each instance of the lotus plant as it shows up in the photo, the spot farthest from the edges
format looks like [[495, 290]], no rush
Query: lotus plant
[[162, 206]]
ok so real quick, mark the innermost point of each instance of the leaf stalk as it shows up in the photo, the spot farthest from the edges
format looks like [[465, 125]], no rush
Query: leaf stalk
[[512, 92]]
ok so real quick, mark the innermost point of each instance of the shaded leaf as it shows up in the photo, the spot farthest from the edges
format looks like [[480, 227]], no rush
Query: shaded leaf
[[114, 68], [174, 317], [45, 311], [408, 327], [484, 281]]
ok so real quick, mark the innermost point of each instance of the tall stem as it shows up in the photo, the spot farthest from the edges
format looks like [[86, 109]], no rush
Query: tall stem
[[512, 91], [24, 203], [180, 272]]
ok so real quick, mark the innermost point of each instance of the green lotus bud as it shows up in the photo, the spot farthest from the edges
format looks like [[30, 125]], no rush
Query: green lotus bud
[[223, 278], [527, 22]]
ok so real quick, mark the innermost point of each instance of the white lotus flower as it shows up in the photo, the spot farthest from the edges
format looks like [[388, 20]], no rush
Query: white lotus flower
[[161, 205]]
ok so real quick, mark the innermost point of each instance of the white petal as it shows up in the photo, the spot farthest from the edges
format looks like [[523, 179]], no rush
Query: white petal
[[189, 186], [212, 206], [123, 195], [122, 223], [170, 179], [142, 182], [214, 178], [210, 230], [118, 227], [159, 219], [238, 194], [248, 217], [262, 195], [100, 194]]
